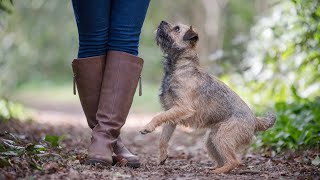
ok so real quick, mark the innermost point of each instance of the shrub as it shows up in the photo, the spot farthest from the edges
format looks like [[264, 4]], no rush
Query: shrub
[[297, 127]]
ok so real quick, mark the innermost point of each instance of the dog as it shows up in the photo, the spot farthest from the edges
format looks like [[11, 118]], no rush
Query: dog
[[193, 98]]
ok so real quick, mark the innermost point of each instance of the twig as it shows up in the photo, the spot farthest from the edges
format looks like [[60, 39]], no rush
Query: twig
[[49, 154], [249, 172]]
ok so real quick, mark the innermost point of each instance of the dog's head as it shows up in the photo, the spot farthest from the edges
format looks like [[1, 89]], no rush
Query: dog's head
[[176, 37]]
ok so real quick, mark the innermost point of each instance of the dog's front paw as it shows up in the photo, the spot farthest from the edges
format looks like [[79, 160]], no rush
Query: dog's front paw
[[163, 159], [146, 130]]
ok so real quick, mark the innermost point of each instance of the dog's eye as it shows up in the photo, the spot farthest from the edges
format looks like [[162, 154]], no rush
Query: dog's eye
[[177, 29]]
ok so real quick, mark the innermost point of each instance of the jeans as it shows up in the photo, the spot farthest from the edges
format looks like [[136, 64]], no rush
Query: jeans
[[109, 25]]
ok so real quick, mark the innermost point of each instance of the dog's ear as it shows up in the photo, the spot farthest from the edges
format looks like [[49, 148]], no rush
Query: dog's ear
[[191, 36]]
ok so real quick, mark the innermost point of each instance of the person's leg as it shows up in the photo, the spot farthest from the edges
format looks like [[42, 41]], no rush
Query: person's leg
[[121, 75], [120, 79], [92, 18], [93, 22], [126, 20]]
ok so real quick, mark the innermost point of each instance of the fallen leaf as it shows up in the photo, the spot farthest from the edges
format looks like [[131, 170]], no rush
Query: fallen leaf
[[316, 161], [4, 162]]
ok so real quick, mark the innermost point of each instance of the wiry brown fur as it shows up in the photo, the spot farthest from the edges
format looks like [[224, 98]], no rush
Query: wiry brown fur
[[191, 97]]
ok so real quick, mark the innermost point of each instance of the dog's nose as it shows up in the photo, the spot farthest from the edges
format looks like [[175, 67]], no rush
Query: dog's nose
[[164, 23]]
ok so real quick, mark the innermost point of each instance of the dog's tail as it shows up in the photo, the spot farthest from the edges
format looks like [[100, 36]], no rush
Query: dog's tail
[[264, 123]]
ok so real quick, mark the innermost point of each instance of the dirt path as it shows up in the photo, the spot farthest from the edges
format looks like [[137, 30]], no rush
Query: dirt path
[[188, 159]]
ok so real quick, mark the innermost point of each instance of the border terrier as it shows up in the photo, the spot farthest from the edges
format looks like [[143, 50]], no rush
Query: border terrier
[[193, 98]]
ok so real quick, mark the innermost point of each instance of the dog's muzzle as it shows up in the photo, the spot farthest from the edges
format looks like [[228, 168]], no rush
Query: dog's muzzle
[[163, 25]]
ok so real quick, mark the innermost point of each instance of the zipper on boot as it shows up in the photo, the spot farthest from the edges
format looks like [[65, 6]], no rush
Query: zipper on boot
[[74, 85], [140, 86]]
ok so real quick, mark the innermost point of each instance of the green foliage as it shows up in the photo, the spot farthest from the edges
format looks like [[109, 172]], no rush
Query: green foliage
[[297, 127], [34, 153], [282, 70], [284, 53], [10, 110], [54, 141], [6, 6], [37, 42], [4, 162]]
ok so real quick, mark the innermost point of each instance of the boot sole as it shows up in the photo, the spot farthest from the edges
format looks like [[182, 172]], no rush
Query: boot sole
[[96, 161], [132, 164], [129, 164]]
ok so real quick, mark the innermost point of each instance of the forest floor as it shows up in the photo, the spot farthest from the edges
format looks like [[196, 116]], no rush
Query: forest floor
[[187, 157]]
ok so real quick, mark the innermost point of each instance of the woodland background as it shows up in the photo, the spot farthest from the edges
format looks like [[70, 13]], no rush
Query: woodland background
[[266, 51]]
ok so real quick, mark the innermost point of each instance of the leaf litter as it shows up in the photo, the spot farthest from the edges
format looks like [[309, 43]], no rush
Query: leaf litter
[[38, 151]]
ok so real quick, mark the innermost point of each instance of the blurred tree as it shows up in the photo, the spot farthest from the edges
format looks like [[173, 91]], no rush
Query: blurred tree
[[37, 43], [6, 6], [238, 21], [223, 26], [283, 56], [39, 39]]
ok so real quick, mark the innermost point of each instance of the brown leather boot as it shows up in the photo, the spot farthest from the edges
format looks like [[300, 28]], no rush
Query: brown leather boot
[[123, 156], [121, 76], [88, 73]]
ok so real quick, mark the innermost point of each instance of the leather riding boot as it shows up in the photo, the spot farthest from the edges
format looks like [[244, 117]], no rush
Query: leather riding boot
[[119, 82], [123, 156], [88, 73]]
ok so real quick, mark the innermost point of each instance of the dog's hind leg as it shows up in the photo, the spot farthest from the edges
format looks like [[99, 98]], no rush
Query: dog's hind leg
[[167, 131], [226, 141], [212, 150]]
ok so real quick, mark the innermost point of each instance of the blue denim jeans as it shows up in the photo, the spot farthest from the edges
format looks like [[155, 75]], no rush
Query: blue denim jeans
[[109, 25]]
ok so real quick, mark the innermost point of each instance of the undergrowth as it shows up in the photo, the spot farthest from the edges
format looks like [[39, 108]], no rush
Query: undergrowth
[[297, 127]]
